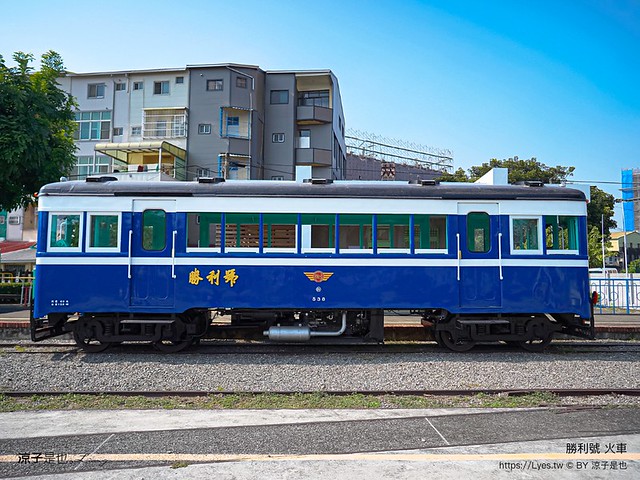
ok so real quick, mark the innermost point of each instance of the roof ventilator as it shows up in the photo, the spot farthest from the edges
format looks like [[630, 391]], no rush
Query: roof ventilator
[[430, 182], [211, 180], [101, 179], [318, 181], [531, 183]]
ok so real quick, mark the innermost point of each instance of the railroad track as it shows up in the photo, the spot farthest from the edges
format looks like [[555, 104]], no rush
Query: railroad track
[[208, 347]]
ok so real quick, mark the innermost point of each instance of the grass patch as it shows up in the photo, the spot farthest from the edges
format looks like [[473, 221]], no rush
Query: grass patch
[[258, 401]]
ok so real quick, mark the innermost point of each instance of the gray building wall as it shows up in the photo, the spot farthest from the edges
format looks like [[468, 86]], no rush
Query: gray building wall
[[368, 168], [280, 119]]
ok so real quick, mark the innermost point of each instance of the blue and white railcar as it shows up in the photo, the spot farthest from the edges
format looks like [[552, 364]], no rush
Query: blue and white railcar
[[154, 260]]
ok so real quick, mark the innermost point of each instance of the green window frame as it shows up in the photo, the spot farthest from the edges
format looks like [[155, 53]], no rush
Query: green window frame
[[242, 230], [204, 230], [104, 231], [561, 234], [430, 232], [279, 230], [526, 237], [478, 232], [356, 231], [319, 230], [154, 230], [65, 232]]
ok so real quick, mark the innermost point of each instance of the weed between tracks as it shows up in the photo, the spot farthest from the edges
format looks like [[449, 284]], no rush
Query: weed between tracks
[[269, 401]]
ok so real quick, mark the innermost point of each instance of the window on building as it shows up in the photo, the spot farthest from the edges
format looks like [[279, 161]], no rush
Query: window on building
[[277, 177], [478, 232], [204, 129], [318, 98], [241, 82], [138, 85], [118, 131], [179, 80], [304, 138], [120, 87], [89, 165], [233, 126], [526, 235], [161, 88], [279, 97], [277, 138], [104, 231], [561, 234], [203, 172], [136, 131], [14, 219], [92, 126], [215, 85], [96, 90], [154, 229], [65, 231]]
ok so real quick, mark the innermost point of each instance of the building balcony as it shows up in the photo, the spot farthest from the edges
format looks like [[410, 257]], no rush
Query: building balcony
[[313, 115], [313, 156], [164, 123]]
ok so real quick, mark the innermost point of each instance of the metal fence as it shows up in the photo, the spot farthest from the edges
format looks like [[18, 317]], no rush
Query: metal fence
[[616, 295]]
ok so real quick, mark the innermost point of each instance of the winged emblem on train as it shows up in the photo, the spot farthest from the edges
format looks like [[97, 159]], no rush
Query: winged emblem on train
[[318, 276]]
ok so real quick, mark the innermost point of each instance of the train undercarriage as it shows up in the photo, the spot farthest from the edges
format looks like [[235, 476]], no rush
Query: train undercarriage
[[172, 333]]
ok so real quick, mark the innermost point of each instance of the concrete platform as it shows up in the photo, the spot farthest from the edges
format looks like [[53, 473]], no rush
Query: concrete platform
[[558, 443]]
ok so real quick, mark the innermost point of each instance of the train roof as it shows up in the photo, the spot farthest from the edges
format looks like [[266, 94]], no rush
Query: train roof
[[338, 189]]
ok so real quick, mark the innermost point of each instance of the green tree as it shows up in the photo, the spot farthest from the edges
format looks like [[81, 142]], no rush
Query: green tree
[[36, 128], [519, 170], [634, 267]]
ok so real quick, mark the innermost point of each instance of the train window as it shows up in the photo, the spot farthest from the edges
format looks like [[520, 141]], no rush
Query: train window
[[104, 231], [430, 232], [242, 230], [526, 235], [561, 234], [203, 230], [279, 230], [356, 232], [478, 232], [65, 232], [318, 232], [154, 230], [392, 232]]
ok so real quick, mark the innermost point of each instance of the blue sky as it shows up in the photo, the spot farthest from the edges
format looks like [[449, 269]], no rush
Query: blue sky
[[558, 80]]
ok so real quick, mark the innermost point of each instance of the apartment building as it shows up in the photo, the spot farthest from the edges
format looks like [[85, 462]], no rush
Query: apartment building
[[229, 120]]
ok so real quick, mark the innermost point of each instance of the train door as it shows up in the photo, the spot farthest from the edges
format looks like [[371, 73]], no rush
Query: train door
[[152, 253], [479, 255]]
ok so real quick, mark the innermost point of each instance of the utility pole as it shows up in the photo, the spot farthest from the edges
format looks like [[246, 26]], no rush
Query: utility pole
[[603, 267]]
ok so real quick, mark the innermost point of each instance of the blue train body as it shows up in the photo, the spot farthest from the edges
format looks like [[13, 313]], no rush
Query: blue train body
[[154, 260]]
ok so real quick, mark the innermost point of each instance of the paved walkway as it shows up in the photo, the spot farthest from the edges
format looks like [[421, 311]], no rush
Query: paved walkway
[[305, 444]]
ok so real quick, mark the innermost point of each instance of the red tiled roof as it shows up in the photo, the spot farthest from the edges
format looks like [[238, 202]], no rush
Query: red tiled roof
[[9, 246]]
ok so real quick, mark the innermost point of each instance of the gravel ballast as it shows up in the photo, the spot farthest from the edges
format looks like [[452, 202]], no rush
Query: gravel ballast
[[284, 372]]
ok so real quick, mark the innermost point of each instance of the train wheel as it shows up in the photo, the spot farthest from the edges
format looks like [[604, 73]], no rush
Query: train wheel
[[445, 338], [541, 333], [537, 344], [84, 333], [176, 338]]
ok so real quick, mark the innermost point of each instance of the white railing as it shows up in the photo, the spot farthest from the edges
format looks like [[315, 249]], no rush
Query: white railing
[[616, 295]]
